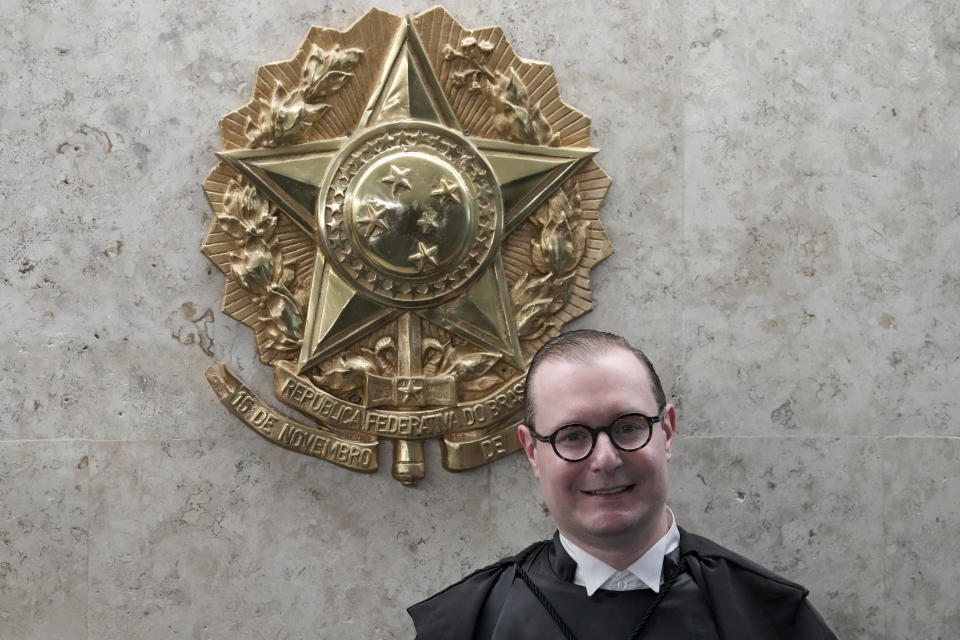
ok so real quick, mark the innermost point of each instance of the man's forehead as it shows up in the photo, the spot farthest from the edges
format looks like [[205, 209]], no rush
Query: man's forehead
[[567, 390], [580, 360], [579, 367]]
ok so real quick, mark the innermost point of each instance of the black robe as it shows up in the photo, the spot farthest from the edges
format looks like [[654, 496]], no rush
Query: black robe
[[745, 601]]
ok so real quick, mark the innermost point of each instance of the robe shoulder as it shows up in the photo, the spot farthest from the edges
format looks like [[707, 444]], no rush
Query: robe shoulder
[[749, 601], [706, 549], [451, 614]]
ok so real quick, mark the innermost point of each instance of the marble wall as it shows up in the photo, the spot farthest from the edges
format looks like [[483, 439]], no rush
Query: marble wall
[[786, 218]]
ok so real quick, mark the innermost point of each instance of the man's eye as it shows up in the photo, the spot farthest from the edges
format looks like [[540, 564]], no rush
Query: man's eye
[[571, 436]]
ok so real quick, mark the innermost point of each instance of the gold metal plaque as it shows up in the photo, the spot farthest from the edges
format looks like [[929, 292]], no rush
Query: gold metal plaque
[[404, 212]]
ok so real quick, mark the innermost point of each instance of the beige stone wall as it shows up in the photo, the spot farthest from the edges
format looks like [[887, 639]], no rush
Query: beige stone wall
[[786, 223]]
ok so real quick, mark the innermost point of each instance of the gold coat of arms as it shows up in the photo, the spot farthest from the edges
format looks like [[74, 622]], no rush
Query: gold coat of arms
[[404, 212]]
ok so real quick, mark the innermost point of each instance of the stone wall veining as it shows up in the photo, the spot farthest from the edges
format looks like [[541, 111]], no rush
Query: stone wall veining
[[786, 222]]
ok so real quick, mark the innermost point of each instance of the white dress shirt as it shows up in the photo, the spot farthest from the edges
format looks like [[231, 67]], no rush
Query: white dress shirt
[[644, 573]]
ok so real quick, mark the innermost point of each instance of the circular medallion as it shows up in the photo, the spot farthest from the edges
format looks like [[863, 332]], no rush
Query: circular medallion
[[412, 214]]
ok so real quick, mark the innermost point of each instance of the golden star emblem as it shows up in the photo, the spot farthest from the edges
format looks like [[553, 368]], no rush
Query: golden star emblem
[[363, 279], [400, 226]]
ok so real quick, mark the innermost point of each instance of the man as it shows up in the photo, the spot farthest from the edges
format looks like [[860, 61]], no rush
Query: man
[[599, 435]]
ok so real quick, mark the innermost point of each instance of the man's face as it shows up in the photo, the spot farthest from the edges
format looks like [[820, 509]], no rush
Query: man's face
[[613, 498]]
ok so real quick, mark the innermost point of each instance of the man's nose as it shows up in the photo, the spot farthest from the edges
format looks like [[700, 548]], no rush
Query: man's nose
[[605, 456]]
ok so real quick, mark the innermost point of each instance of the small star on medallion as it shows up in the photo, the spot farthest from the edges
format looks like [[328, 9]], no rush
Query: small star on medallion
[[424, 253], [397, 178], [446, 191], [373, 218], [428, 221]]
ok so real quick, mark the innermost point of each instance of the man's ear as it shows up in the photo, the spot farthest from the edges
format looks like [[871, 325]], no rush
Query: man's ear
[[529, 444], [669, 423]]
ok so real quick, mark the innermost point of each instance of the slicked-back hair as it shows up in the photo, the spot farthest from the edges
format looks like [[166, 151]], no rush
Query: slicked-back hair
[[584, 345]]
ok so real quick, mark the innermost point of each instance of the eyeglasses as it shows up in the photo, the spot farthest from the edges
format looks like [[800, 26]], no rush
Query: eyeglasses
[[575, 442]]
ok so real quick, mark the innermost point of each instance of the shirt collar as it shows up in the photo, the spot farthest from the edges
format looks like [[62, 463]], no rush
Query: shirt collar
[[593, 573]]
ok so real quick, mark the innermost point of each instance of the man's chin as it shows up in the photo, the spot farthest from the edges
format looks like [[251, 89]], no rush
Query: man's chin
[[612, 526]]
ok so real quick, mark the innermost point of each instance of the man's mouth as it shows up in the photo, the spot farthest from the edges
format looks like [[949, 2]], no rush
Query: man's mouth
[[609, 492]]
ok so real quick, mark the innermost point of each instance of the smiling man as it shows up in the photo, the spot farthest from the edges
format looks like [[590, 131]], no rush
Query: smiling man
[[599, 434]]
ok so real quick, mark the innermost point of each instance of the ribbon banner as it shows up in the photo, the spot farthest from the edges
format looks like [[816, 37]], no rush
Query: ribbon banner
[[482, 415], [358, 454], [461, 451]]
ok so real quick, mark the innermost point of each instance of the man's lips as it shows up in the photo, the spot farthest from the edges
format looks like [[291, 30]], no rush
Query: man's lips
[[609, 491]]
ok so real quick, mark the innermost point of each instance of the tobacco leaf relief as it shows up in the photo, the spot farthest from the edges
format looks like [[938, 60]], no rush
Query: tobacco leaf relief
[[555, 254], [256, 263], [515, 118]]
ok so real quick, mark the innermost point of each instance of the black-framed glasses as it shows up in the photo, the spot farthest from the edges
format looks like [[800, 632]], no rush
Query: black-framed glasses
[[575, 442]]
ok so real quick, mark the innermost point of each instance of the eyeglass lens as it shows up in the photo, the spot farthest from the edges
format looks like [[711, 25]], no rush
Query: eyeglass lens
[[627, 432]]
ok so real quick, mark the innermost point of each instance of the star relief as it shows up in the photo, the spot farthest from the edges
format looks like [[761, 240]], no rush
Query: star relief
[[446, 191], [397, 179], [428, 221], [373, 218], [424, 254], [298, 177], [409, 389]]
